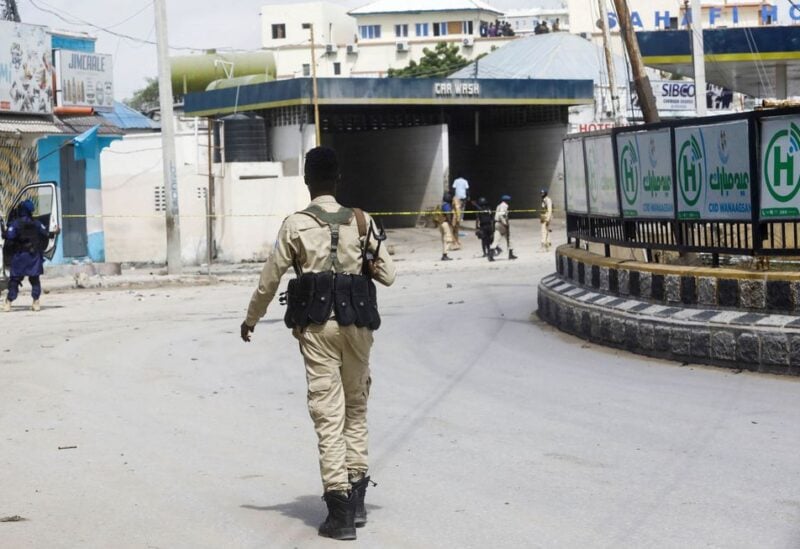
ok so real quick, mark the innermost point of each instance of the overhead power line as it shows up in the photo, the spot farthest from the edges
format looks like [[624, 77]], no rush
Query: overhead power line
[[72, 20]]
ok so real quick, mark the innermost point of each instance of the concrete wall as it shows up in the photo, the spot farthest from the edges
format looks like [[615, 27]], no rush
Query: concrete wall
[[392, 170], [515, 161], [135, 229], [252, 201], [331, 24]]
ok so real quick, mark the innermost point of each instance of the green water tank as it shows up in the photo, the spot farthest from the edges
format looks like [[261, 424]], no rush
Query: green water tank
[[193, 73]]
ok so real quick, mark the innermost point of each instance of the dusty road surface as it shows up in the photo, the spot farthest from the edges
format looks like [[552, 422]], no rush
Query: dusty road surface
[[488, 429]]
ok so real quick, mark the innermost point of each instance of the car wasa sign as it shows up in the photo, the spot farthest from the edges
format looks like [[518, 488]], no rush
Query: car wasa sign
[[712, 166], [645, 174]]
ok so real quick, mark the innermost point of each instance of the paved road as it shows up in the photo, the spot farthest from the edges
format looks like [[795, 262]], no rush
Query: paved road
[[488, 429]]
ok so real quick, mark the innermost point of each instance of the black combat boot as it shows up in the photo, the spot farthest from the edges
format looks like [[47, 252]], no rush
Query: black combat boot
[[340, 523], [359, 490], [511, 254]]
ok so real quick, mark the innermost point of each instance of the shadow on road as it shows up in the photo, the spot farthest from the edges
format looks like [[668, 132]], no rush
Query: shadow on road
[[309, 509]]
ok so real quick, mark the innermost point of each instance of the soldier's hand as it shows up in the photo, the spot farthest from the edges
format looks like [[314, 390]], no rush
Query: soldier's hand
[[246, 331]]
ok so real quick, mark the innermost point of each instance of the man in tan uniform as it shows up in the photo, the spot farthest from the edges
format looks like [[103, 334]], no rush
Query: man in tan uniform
[[332, 311], [546, 217]]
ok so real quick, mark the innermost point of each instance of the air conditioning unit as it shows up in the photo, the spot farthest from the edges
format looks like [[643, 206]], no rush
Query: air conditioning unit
[[402, 46], [330, 48], [352, 49], [468, 42]]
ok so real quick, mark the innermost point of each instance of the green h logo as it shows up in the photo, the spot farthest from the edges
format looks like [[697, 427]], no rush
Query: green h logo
[[690, 171], [630, 173], [779, 173]]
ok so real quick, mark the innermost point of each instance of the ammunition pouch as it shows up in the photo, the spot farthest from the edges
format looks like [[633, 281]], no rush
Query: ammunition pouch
[[313, 297]]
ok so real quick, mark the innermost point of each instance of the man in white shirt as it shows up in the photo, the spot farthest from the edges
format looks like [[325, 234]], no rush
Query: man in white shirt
[[460, 194]]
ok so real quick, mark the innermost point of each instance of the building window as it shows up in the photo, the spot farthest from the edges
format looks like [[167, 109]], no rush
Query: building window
[[401, 31], [306, 69], [369, 31], [422, 29], [278, 31], [440, 29], [466, 27], [337, 68]]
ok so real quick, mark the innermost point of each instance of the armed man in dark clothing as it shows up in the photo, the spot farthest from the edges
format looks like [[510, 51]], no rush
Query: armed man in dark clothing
[[484, 227], [26, 239], [332, 311]]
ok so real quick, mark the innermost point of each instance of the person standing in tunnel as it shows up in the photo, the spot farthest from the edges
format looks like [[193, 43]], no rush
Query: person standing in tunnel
[[332, 310], [484, 227], [460, 197], [546, 217], [501, 227], [444, 217]]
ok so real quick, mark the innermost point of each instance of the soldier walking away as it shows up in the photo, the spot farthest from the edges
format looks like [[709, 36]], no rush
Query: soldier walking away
[[332, 310], [484, 227], [444, 218], [502, 228], [546, 217], [26, 239]]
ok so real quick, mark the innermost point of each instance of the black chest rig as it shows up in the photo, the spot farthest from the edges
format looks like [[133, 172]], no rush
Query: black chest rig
[[29, 238], [312, 298]]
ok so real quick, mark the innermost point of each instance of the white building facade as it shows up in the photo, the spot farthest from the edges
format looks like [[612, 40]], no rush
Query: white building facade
[[368, 41]]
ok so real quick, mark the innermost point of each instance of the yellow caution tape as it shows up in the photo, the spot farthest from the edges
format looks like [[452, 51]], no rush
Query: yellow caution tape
[[161, 215]]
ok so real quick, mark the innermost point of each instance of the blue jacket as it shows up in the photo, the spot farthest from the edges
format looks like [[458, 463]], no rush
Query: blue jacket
[[25, 262]]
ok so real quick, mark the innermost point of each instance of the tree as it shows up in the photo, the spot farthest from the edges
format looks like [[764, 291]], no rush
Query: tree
[[441, 61], [145, 99]]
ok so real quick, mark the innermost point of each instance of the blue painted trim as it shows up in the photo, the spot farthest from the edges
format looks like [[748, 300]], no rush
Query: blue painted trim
[[72, 43], [763, 40], [96, 244]]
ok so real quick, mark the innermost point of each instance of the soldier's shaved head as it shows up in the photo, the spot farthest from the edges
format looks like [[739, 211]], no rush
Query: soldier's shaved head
[[321, 168]]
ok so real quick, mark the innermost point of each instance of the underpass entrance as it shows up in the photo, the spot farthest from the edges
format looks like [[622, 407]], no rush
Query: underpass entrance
[[401, 142]]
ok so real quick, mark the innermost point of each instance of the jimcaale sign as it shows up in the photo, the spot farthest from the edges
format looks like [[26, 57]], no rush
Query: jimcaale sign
[[86, 79], [456, 88]]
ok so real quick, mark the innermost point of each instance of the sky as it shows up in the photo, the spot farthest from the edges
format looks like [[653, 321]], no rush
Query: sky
[[192, 24]]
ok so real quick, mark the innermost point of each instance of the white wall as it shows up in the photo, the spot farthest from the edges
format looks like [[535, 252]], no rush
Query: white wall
[[331, 23], [253, 199], [374, 58], [134, 230]]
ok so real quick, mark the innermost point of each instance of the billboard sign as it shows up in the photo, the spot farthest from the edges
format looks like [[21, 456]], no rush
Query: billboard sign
[[645, 173], [712, 166], [678, 95], [26, 83], [86, 80], [601, 182], [780, 167], [575, 176]]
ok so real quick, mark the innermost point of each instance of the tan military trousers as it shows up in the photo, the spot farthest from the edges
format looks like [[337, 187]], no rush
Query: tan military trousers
[[337, 372], [447, 237], [545, 232]]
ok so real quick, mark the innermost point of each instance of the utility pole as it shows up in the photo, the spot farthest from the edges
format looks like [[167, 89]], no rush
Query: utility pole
[[647, 101], [310, 27], [168, 140], [698, 58], [610, 66]]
